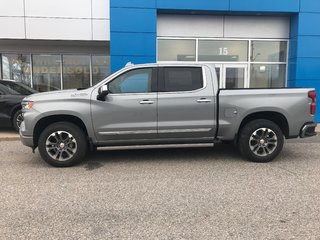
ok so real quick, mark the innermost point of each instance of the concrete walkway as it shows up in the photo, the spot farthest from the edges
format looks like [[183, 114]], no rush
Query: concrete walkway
[[11, 135]]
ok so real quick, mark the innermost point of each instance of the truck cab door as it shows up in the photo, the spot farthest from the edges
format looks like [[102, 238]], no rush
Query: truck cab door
[[186, 103], [129, 111]]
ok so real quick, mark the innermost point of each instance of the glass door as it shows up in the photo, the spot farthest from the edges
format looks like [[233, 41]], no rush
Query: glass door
[[232, 76]]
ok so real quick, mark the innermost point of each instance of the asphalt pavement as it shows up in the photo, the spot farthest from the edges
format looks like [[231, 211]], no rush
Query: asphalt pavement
[[176, 193]]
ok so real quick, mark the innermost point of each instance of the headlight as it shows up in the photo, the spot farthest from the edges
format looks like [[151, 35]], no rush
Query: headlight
[[27, 105]]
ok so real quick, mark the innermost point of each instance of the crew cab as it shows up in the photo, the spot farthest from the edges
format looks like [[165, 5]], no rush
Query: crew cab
[[165, 104]]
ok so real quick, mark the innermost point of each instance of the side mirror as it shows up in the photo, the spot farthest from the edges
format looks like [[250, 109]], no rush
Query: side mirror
[[103, 92]]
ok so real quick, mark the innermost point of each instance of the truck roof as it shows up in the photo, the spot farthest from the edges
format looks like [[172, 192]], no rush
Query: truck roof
[[179, 64]]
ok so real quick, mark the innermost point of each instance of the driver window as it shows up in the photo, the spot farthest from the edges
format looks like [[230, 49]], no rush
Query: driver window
[[135, 81]]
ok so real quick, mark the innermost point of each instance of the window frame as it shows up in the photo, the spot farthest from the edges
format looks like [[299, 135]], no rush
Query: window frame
[[161, 81], [154, 77]]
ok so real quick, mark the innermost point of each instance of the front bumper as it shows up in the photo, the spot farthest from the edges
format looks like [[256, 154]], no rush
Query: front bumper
[[308, 130], [26, 140]]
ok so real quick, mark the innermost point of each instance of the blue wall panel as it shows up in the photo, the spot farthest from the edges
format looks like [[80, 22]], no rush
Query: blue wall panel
[[134, 44], [293, 43], [310, 6], [292, 69], [294, 20], [308, 46], [133, 3], [308, 69], [133, 29], [207, 5], [135, 20], [265, 5], [308, 24]]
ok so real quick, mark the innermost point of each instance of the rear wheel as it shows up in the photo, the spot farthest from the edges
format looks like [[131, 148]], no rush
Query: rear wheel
[[62, 144], [260, 140]]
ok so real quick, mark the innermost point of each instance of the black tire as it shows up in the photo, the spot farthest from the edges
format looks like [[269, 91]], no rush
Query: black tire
[[62, 144], [260, 140], [17, 120]]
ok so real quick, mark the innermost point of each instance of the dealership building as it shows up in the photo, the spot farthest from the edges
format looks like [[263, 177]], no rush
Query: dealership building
[[252, 43]]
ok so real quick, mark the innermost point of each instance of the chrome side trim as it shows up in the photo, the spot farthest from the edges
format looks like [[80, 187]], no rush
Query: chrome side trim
[[154, 131], [127, 132], [195, 130]]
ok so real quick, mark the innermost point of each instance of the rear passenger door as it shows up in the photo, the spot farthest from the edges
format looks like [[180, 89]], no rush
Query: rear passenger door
[[186, 103]]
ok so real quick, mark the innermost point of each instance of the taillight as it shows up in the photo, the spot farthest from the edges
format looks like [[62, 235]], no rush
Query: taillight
[[312, 95]]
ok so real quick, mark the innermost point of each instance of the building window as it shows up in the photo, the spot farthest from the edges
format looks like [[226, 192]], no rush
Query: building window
[[16, 67], [223, 50], [46, 72], [267, 75], [245, 63], [100, 68], [76, 71], [176, 50], [268, 51]]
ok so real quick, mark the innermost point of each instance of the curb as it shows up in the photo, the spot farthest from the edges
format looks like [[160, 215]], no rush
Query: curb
[[10, 138]]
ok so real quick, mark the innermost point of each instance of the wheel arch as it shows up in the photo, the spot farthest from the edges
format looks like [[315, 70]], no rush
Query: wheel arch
[[276, 117], [46, 121]]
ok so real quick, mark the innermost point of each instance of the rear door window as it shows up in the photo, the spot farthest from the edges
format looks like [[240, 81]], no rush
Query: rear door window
[[177, 79]]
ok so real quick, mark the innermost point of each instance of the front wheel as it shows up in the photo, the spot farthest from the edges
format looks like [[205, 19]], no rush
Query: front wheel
[[62, 144], [260, 140]]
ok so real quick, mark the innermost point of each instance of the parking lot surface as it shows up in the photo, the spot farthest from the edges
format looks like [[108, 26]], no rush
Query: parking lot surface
[[185, 193]]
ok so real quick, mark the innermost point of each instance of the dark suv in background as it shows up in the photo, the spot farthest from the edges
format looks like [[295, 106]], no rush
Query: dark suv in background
[[11, 94]]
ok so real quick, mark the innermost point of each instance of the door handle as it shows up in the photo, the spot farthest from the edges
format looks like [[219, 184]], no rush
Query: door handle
[[147, 102], [204, 100]]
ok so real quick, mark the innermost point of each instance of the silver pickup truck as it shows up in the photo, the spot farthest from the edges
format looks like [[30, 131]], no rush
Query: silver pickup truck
[[165, 104]]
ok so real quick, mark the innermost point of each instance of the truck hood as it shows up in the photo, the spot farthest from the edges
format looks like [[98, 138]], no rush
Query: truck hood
[[59, 95]]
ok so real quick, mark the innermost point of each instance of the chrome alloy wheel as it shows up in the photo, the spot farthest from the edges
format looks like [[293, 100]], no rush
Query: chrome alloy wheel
[[61, 145], [263, 142], [19, 120]]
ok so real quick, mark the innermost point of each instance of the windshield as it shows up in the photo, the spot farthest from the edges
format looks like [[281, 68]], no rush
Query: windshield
[[16, 88]]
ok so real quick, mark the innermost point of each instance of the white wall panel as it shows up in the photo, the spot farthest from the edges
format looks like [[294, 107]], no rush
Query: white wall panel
[[101, 9], [101, 30], [12, 27], [11, 8], [58, 8], [189, 25], [62, 29], [256, 27]]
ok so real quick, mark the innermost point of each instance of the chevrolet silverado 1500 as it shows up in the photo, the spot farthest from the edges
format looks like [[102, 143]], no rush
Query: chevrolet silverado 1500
[[165, 104]]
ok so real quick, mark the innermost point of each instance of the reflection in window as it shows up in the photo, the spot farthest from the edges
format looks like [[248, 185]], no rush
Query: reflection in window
[[135, 81], [268, 51], [222, 50], [76, 71], [182, 79], [267, 76], [46, 72], [16, 88], [176, 50], [16, 67], [235, 77], [100, 68]]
